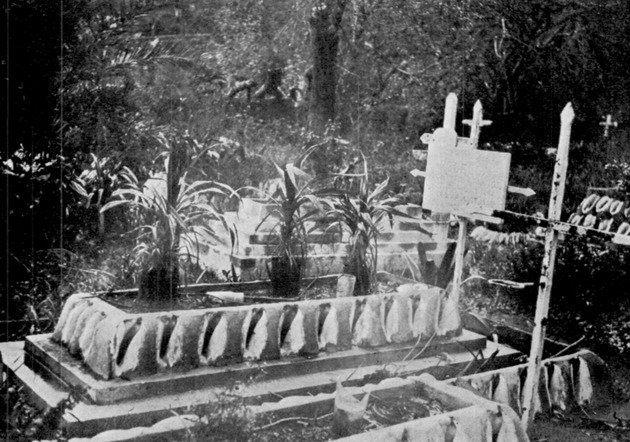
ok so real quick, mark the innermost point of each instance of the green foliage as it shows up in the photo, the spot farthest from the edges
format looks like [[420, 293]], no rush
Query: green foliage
[[295, 205], [172, 217], [622, 170], [33, 191], [22, 422], [589, 295], [132, 70], [226, 418], [524, 60], [361, 215], [491, 260]]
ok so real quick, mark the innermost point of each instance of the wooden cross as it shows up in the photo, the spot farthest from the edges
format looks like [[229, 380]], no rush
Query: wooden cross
[[464, 181], [476, 123], [608, 123], [554, 226], [448, 127], [549, 260]]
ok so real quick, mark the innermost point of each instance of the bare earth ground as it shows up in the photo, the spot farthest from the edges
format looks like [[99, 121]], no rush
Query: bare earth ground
[[599, 425]]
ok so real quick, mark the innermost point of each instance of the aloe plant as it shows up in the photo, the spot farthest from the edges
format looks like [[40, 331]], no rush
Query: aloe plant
[[295, 205], [172, 219], [362, 215]]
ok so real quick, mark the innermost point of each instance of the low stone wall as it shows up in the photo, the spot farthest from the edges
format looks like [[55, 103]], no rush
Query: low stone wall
[[116, 344]]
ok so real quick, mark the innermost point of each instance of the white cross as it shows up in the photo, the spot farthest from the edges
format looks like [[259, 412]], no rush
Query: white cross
[[608, 124], [476, 124]]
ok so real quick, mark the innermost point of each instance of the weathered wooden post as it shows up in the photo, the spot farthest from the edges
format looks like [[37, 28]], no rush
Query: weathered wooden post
[[466, 182], [546, 276], [450, 111], [475, 124]]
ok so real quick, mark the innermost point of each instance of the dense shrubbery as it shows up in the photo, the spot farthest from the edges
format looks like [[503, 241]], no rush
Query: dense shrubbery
[[590, 287], [591, 277], [119, 86]]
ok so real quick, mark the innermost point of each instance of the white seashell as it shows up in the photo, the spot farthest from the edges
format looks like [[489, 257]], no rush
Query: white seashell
[[501, 393], [507, 432], [85, 340], [558, 389], [585, 386], [215, 345], [294, 340], [363, 327], [330, 330], [253, 349]]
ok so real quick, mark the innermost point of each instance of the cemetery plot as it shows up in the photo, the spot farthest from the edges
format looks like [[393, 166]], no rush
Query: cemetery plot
[[182, 346], [142, 364]]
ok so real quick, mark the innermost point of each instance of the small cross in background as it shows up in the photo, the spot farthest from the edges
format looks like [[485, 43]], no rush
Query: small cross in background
[[608, 123], [476, 123]]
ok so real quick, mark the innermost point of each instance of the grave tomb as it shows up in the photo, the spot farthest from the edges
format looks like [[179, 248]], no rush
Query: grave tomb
[[134, 368], [256, 225], [113, 345], [137, 368]]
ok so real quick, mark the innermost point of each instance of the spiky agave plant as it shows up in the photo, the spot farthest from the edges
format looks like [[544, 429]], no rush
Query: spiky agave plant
[[362, 215], [173, 217], [295, 204]]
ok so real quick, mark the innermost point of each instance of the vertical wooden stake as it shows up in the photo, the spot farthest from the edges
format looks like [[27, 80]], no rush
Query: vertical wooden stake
[[460, 251], [450, 117], [546, 275], [450, 111]]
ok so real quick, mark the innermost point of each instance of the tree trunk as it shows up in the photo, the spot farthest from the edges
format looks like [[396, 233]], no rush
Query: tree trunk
[[325, 22]]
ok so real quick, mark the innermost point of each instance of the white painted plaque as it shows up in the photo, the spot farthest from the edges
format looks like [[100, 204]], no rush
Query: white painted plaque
[[465, 181]]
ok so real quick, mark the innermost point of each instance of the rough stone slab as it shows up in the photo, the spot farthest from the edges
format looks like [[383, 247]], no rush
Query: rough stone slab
[[45, 356]]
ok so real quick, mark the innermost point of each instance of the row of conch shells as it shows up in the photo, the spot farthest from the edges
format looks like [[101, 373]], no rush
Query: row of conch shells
[[120, 345], [603, 213], [561, 385]]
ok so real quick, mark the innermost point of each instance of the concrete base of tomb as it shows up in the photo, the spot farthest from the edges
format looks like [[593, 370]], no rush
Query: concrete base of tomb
[[48, 376], [52, 360]]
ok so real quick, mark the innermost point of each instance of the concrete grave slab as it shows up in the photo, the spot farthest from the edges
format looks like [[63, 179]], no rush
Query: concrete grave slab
[[86, 418]]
